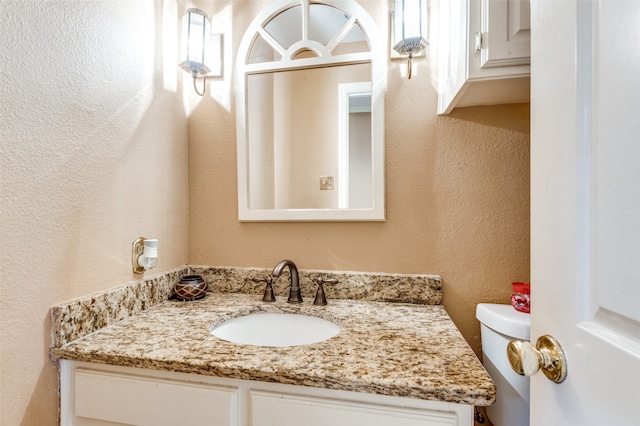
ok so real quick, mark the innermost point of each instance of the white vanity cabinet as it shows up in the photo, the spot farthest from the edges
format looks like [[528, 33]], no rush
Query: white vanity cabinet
[[483, 52], [101, 395]]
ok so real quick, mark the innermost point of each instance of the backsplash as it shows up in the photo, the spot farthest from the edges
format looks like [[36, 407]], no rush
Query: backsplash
[[376, 287], [80, 317]]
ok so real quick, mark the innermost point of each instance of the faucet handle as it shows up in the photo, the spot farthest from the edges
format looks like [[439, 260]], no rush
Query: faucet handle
[[327, 280], [321, 299], [268, 290]]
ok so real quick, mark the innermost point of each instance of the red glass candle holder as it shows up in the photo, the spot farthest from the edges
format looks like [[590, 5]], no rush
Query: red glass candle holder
[[520, 297]]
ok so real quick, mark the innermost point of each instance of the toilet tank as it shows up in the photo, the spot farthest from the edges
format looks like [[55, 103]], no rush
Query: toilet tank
[[499, 324]]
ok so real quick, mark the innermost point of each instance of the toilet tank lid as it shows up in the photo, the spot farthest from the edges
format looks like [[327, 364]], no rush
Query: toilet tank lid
[[504, 319]]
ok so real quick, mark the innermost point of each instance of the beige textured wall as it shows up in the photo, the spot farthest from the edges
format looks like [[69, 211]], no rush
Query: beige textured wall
[[457, 191], [93, 155]]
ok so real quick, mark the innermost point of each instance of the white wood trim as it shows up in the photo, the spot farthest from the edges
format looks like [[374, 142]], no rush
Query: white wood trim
[[376, 56]]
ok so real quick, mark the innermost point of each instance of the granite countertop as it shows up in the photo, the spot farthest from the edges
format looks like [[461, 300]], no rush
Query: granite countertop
[[398, 349]]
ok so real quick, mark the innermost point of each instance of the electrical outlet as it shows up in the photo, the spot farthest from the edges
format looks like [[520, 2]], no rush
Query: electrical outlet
[[326, 183]]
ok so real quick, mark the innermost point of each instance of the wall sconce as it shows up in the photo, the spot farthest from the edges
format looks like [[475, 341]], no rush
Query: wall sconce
[[410, 27], [144, 255], [196, 35]]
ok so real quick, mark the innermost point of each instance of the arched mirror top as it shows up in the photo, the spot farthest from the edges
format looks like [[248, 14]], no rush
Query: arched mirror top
[[305, 34], [286, 38]]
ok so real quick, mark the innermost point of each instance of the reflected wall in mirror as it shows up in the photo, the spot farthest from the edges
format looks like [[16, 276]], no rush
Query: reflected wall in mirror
[[310, 111], [298, 131]]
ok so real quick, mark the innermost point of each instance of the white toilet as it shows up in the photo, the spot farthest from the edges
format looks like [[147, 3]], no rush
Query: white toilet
[[499, 324]]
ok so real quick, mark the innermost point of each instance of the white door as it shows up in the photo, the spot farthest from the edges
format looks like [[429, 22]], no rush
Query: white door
[[585, 208]]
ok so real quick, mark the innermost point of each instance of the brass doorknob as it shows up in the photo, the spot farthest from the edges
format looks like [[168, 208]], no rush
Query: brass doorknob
[[526, 359]]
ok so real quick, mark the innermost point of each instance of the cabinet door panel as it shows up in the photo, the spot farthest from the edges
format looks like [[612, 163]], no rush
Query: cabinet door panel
[[149, 401], [290, 410], [506, 27]]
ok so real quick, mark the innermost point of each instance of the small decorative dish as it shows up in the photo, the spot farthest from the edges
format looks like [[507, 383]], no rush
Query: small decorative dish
[[190, 287]]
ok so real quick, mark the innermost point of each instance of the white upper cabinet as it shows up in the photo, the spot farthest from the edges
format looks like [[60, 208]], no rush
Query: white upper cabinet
[[484, 53]]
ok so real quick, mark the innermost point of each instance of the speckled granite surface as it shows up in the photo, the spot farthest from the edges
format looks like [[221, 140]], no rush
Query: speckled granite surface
[[85, 315], [405, 350], [407, 288], [82, 316]]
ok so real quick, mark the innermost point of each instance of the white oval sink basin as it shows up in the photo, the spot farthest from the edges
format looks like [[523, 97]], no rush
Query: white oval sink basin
[[276, 329]]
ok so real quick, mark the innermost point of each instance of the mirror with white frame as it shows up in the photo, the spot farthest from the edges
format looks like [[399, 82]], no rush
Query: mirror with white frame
[[310, 114]]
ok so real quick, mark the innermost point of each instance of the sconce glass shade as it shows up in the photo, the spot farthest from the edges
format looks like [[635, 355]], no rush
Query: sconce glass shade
[[410, 26], [196, 34]]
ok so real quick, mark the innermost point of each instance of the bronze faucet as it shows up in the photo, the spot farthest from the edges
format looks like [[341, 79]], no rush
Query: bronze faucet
[[294, 292]]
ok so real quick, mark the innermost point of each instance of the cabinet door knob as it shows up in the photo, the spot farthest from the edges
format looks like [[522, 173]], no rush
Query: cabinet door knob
[[479, 45], [547, 354]]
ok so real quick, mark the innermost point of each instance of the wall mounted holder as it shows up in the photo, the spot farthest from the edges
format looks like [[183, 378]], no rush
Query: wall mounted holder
[[144, 254]]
